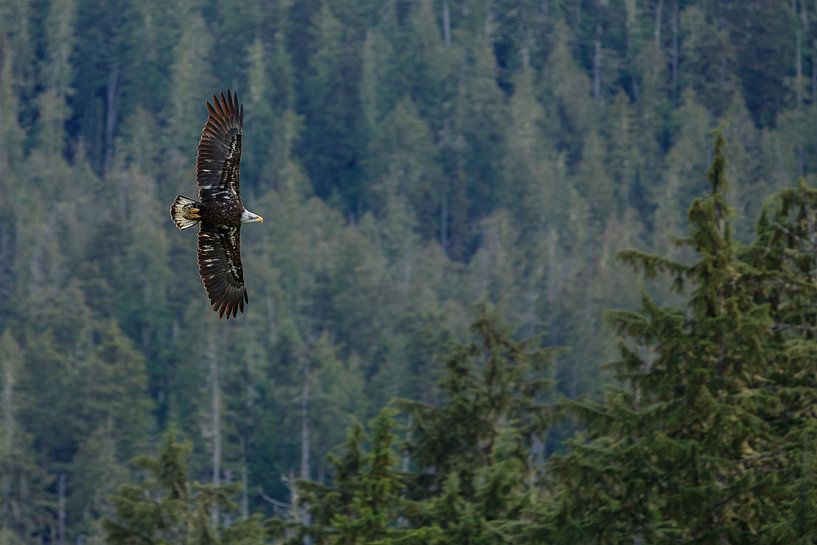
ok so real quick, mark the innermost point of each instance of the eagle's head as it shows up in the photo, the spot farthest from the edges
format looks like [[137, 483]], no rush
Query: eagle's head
[[249, 217]]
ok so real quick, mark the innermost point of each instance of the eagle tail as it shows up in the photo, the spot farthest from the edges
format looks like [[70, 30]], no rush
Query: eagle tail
[[185, 212]]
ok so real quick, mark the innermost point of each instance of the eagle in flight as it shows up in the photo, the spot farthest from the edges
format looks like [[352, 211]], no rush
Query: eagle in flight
[[219, 209]]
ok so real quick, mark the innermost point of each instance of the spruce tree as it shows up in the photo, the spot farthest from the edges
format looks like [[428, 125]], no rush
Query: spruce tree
[[474, 453], [365, 502], [24, 498], [784, 251], [166, 507], [471, 461], [673, 455]]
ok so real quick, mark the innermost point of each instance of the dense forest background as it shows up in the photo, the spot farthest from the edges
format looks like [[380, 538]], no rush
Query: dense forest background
[[411, 158]]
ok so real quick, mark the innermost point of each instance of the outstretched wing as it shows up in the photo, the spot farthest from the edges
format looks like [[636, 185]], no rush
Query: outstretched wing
[[220, 268], [219, 150]]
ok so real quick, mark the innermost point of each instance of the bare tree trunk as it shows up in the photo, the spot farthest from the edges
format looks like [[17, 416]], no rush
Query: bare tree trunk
[[215, 418], [321, 476], [407, 267], [798, 62], [245, 497], [8, 403], [444, 200], [552, 283], [301, 508], [446, 24], [597, 62], [489, 22], [798, 55], [61, 509], [536, 458], [9, 364], [7, 251], [444, 215], [531, 298], [305, 439], [111, 113], [814, 73], [406, 462], [675, 51], [659, 13]]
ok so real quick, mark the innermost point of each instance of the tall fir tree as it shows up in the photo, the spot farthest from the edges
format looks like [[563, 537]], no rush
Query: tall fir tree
[[167, 507], [683, 449]]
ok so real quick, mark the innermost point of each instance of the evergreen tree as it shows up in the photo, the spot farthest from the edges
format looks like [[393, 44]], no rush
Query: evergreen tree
[[673, 455], [330, 144], [567, 94], [11, 156], [459, 152], [402, 149], [533, 174], [479, 109], [190, 73], [684, 177], [472, 456], [166, 507], [364, 504], [56, 77], [707, 60], [24, 498], [492, 384], [784, 255]]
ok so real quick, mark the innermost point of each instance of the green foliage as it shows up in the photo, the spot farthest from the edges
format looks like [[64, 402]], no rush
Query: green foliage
[[691, 447], [412, 158], [365, 503], [491, 384], [166, 507], [468, 473]]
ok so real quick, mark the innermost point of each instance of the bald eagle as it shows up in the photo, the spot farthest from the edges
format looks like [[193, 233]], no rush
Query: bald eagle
[[218, 209]]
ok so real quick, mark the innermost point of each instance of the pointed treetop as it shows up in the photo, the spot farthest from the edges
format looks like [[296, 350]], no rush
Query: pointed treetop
[[717, 170]]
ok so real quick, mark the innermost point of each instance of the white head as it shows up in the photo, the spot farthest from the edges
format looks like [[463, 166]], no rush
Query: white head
[[249, 217]]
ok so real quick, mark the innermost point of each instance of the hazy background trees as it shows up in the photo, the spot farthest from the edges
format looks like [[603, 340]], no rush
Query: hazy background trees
[[412, 158]]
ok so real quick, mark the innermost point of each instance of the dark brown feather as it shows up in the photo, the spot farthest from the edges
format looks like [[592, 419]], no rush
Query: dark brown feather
[[219, 257], [219, 150]]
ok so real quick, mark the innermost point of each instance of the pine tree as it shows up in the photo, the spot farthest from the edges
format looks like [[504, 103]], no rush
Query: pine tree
[[56, 77], [402, 149], [784, 253], [707, 60], [491, 382], [365, 502], [24, 499], [332, 106], [533, 180], [474, 467], [470, 472], [190, 73], [478, 110], [684, 177], [673, 454], [568, 93], [167, 508], [11, 155]]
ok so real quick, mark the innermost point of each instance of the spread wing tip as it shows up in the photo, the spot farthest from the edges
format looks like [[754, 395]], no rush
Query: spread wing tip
[[229, 309], [226, 105], [228, 305]]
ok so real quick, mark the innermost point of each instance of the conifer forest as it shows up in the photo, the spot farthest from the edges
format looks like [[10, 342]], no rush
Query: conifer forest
[[532, 272]]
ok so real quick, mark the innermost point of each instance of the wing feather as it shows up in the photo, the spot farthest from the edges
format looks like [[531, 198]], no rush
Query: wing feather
[[219, 150], [219, 256]]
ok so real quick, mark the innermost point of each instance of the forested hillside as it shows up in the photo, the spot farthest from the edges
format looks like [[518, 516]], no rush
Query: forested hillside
[[412, 159]]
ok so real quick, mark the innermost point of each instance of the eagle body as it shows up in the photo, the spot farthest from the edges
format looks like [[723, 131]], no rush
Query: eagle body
[[222, 210], [219, 210]]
